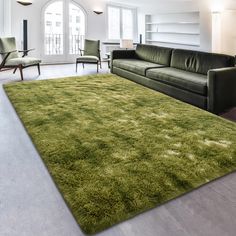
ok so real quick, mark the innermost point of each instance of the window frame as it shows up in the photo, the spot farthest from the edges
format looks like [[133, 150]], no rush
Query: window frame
[[135, 21], [66, 57]]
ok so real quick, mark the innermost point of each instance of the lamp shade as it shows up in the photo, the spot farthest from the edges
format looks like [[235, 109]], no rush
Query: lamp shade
[[25, 2], [126, 43]]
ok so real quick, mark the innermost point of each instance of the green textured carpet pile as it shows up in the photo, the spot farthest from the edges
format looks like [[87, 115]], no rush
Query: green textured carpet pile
[[116, 149]]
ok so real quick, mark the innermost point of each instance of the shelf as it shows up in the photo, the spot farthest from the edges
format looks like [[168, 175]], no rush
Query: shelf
[[149, 31], [177, 13], [172, 23], [175, 28], [115, 43], [177, 43], [184, 33]]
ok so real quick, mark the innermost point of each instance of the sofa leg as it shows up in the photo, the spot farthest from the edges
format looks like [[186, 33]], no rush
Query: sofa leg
[[76, 67], [15, 70]]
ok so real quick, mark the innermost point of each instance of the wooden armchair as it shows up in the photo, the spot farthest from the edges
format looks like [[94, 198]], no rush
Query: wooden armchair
[[11, 58], [90, 54]]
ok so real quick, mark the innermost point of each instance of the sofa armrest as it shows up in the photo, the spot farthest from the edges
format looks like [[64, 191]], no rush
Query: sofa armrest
[[221, 85], [122, 54]]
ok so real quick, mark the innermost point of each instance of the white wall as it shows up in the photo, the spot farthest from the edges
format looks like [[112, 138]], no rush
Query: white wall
[[5, 18], [183, 6], [96, 28], [1, 18], [227, 35], [225, 31]]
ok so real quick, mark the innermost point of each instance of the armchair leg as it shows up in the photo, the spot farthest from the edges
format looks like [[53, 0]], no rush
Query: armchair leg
[[100, 65], [83, 65], [21, 72], [15, 70], [76, 66], [97, 67], [39, 69]]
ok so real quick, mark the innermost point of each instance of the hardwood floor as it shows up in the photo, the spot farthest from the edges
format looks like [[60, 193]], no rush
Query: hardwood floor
[[50, 72], [230, 115], [30, 204]]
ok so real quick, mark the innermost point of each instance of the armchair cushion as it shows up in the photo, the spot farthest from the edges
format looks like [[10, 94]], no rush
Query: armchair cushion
[[24, 61], [87, 59], [92, 48], [8, 45]]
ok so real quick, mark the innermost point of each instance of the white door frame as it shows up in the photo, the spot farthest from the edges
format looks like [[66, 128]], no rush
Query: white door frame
[[72, 57], [65, 57]]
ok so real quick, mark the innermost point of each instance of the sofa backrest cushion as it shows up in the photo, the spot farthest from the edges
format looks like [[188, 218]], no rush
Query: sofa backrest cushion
[[200, 62], [154, 54]]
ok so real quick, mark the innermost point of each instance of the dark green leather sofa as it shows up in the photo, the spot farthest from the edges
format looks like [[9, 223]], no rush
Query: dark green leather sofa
[[203, 79]]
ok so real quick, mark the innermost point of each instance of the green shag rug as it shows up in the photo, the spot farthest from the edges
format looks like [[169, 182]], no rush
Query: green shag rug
[[116, 149]]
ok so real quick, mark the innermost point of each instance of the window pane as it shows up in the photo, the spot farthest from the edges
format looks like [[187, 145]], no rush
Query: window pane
[[54, 29], [76, 28], [128, 24], [113, 23]]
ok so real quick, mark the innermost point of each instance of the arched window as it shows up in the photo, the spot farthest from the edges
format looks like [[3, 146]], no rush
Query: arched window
[[64, 29], [76, 28]]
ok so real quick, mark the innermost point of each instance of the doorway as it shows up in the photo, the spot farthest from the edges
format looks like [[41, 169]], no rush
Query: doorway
[[64, 29]]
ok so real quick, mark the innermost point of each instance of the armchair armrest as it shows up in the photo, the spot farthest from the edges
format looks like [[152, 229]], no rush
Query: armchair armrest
[[2, 53], [7, 54], [81, 51], [28, 50], [25, 52], [221, 89], [121, 54]]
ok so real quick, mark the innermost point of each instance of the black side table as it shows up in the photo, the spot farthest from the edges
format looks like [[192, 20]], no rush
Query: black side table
[[108, 55]]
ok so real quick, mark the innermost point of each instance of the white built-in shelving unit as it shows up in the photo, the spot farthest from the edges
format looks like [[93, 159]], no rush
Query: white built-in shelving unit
[[173, 29]]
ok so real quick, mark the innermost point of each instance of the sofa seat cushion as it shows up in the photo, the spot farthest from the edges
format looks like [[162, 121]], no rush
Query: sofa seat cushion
[[193, 82], [134, 65]]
